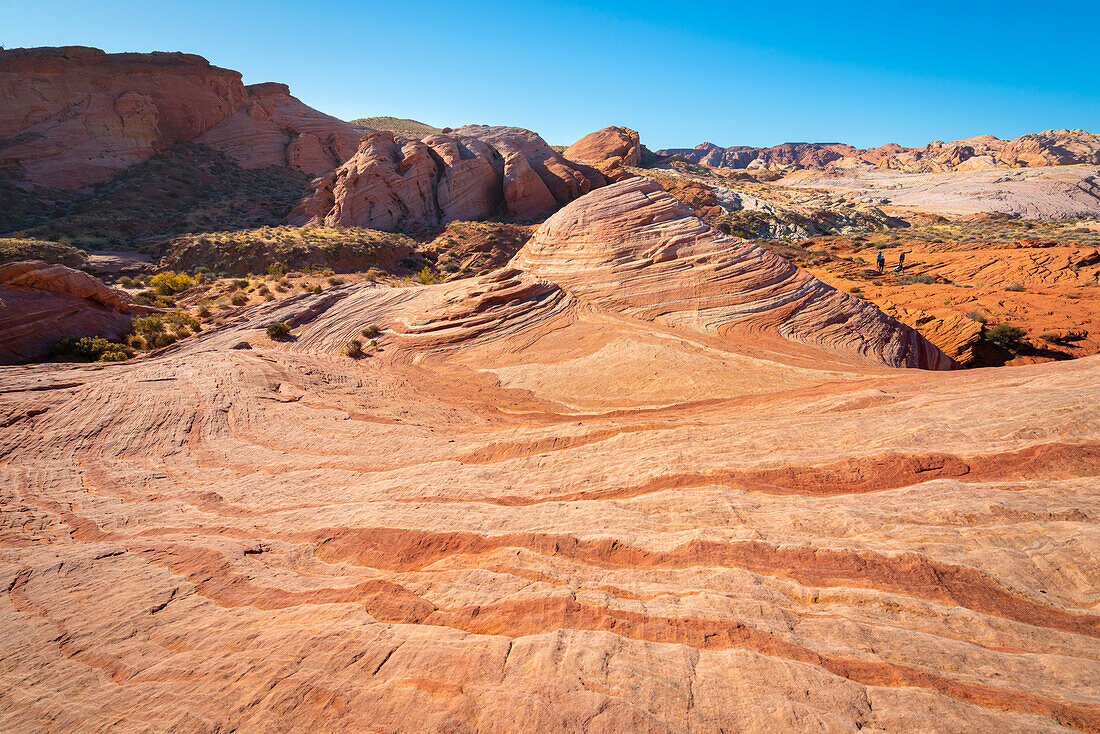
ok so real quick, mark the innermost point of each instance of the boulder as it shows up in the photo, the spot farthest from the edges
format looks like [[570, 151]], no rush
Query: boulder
[[607, 150], [41, 303]]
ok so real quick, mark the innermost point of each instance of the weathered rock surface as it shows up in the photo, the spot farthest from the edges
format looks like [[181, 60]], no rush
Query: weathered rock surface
[[633, 249], [1034, 193], [75, 116], [607, 150], [1048, 148], [530, 511], [468, 173], [41, 303], [275, 129]]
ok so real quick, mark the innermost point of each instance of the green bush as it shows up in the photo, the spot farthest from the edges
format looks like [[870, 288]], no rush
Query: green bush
[[278, 330], [90, 349], [1005, 336], [170, 282]]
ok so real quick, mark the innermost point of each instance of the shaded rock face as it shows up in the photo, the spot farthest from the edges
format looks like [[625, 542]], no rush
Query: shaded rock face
[[1049, 148], [607, 150], [633, 249], [468, 173], [74, 116], [41, 303]]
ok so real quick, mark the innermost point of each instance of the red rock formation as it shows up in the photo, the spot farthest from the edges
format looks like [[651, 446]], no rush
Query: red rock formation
[[41, 303], [469, 173], [275, 129], [631, 248], [1049, 148], [75, 116], [607, 150]]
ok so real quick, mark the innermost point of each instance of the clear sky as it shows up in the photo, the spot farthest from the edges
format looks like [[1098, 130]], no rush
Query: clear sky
[[732, 73]]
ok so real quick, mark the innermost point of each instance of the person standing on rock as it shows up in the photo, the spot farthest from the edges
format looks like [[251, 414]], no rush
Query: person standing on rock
[[881, 260], [901, 262]]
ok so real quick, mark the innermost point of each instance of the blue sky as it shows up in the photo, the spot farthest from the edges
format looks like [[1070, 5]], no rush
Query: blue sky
[[680, 73]]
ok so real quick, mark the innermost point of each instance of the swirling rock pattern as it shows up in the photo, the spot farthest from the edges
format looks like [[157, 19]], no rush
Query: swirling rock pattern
[[632, 248], [539, 506]]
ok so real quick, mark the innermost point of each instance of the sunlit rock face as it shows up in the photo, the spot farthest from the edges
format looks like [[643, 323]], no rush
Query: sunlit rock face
[[646, 479]]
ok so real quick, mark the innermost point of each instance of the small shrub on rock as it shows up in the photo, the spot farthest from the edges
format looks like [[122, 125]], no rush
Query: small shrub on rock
[[278, 330], [1005, 336]]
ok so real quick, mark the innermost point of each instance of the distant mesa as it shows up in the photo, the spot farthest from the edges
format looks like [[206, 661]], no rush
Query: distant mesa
[[1048, 148]]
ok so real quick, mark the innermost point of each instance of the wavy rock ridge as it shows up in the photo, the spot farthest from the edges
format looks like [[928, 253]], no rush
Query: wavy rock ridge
[[41, 303], [631, 248]]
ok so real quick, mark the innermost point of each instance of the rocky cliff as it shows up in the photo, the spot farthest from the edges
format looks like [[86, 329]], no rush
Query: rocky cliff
[[467, 173], [75, 116]]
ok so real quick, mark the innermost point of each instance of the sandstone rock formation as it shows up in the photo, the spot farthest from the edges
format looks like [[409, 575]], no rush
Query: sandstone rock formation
[[633, 249], [41, 303], [468, 173], [275, 129], [607, 150], [533, 509], [75, 116], [1049, 148]]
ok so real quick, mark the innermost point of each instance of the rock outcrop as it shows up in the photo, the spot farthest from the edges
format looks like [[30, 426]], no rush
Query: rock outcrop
[[607, 150], [631, 248], [75, 116], [1049, 148], [41, 303], [468, 173]]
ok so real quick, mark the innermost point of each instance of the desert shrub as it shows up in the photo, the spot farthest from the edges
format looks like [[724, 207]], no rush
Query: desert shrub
[[911, 279], [276, 269], [354, 348], [1005, 336], [169, 282], [372, 332], [239, 299], [1051, 337], [335, 281], [278, 330], [263, 290], [152, 298], [164, 329], [90, 349], [240, 283], [126, 281], [426, 276], [975, 315], [1014, 287]]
